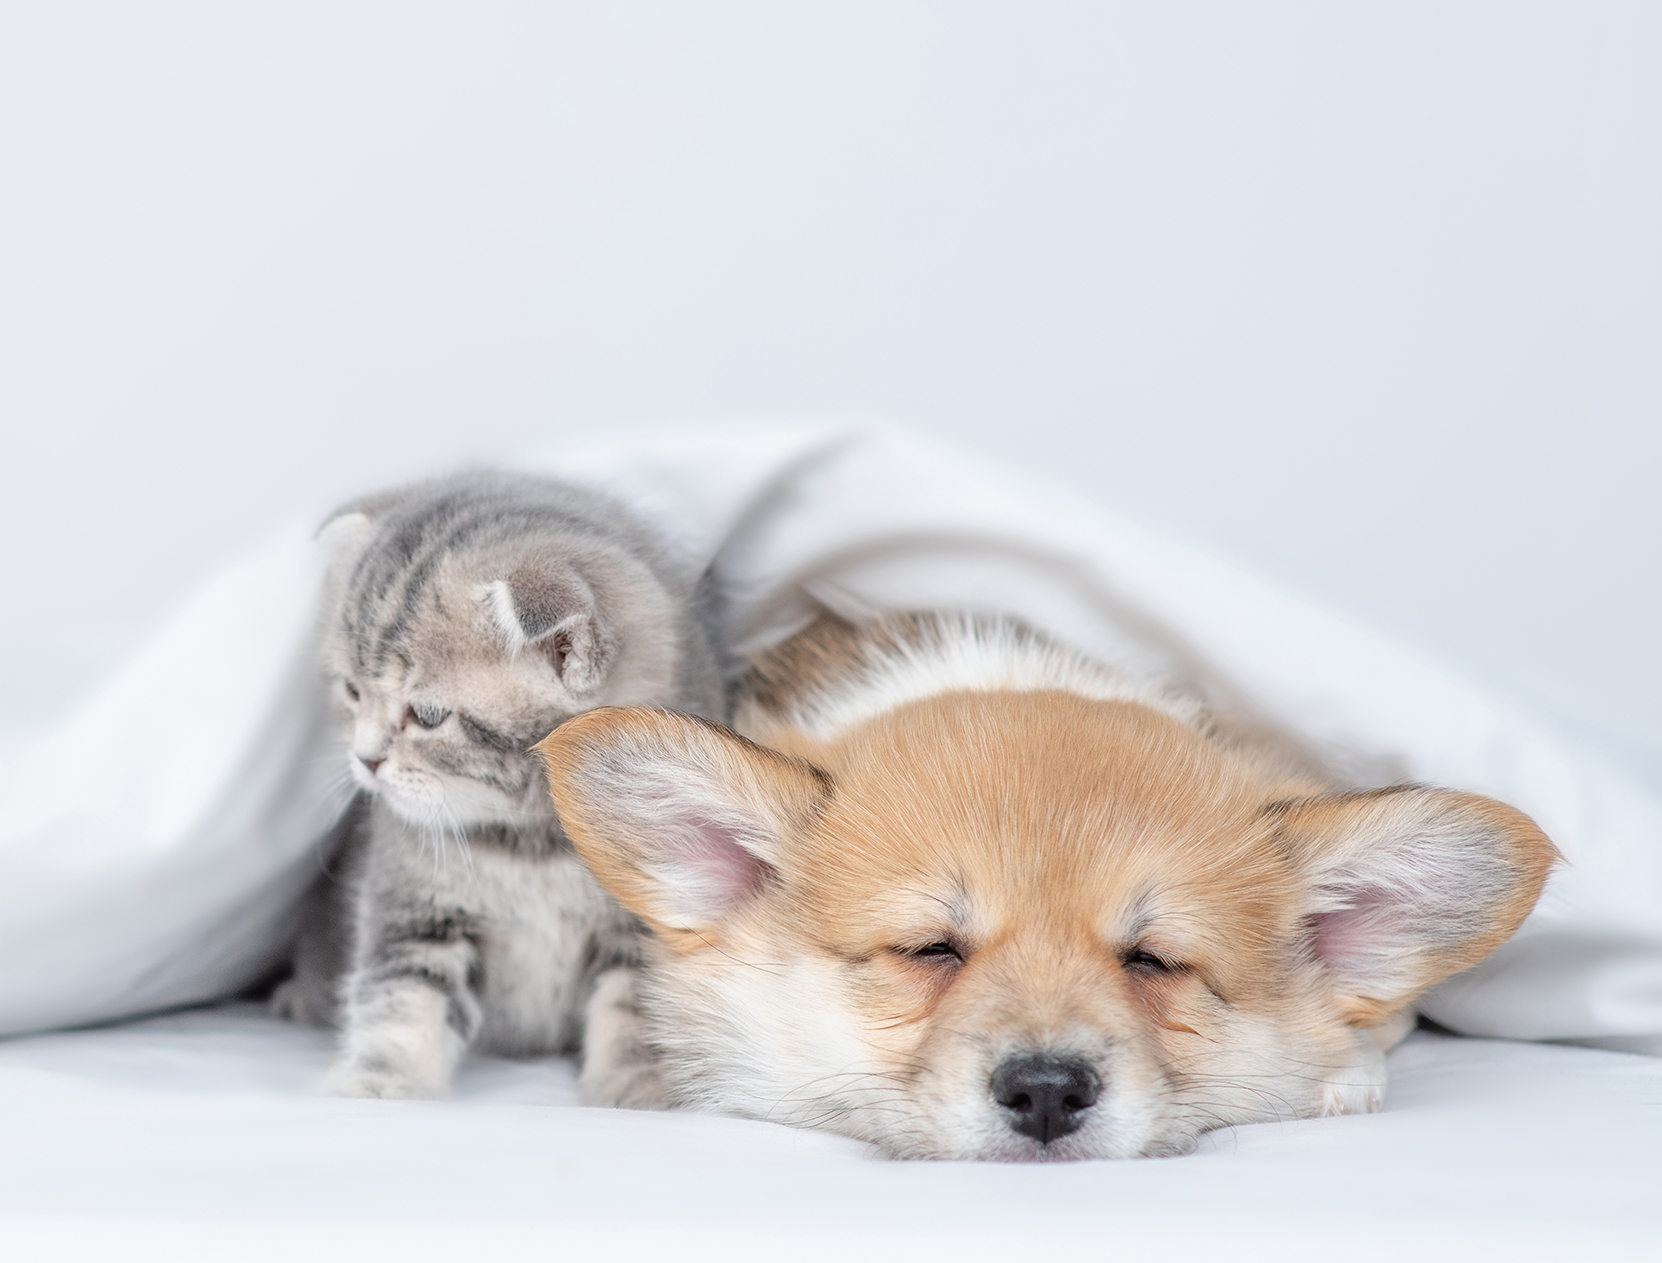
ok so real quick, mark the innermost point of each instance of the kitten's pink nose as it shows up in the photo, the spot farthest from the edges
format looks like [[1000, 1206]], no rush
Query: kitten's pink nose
[[371, 764]]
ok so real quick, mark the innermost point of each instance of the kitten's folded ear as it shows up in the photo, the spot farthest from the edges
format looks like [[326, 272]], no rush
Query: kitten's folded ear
[[345, 536], [680, 819], [347, 531], [547, 606], [1407, 886]]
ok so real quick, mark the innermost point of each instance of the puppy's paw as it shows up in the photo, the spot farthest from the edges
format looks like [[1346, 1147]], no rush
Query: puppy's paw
[[1359, 1088], [352, 1080], [1388, 1034]]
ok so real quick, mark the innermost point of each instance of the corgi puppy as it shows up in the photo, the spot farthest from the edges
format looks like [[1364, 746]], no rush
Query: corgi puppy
[[957, 891]]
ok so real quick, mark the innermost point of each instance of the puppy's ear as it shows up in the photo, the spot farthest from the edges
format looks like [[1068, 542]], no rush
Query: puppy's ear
[[681, 819], [1407, 886], [546, 605]]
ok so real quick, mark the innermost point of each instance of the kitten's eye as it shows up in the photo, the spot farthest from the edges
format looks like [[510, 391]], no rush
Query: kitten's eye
[[1149, 962], [351, 689], [427, 716], [936, 950]]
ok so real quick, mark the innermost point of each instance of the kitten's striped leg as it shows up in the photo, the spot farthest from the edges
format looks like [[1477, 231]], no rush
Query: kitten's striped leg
[[619, 1067], [410, 1010]]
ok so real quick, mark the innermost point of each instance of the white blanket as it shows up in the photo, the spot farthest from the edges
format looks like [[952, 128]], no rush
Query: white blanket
[[151, 849], [189, 1137]]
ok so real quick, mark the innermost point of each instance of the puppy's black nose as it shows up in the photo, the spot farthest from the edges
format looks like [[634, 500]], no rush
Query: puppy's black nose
[[1046, 1096]]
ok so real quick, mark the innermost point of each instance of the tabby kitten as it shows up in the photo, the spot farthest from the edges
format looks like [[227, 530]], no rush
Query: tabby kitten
[[466, 619]]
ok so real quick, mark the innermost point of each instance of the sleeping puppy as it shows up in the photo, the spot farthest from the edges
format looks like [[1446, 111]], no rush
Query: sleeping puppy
[[964, 894]]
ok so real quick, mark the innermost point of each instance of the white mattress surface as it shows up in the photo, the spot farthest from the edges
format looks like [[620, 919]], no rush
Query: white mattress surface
[[192, 1136]]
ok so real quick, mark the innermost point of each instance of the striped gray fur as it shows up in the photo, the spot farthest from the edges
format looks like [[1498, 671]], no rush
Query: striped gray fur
[[466, 619]]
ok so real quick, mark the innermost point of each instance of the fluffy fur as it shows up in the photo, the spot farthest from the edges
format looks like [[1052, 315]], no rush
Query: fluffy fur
[[963, 894], [466, 619]]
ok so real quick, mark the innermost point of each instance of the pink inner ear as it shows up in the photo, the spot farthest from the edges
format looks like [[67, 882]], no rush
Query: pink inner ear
[[1355, 942], [713, 872]]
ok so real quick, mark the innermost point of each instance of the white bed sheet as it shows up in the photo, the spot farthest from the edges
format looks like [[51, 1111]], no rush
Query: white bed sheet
[[192, 1136]]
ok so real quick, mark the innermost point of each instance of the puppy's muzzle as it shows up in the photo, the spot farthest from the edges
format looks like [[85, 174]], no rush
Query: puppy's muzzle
[[1045, 1096]]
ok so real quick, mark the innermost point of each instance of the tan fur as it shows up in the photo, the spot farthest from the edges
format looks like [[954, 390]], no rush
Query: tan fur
[[1050, 838]]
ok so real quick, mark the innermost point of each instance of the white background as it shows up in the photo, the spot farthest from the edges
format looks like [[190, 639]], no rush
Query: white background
[[1369, 296]]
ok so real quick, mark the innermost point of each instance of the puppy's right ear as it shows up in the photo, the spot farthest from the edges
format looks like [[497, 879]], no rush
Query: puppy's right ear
[[682, 820]]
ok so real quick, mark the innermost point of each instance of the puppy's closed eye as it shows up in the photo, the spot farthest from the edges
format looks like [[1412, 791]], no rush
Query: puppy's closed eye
[[941, 950], [1148, 962]]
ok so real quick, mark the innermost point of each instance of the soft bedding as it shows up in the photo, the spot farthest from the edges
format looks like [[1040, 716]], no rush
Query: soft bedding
[[153, 847], [190, 1137]]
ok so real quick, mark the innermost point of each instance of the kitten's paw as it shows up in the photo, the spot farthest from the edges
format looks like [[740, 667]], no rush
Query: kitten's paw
[[375, 1084], [294, 1002], [620, 1068], [636, 1087], [286, 1002]]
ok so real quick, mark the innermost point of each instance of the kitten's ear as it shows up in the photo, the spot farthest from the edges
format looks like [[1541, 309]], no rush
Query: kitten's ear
[[345, 536], [680, 819], [542, 606], [348, 530], [1407, 886]]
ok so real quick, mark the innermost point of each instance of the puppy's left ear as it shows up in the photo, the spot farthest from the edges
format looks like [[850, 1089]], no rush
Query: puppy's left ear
[[1405, 887], [683, 821]]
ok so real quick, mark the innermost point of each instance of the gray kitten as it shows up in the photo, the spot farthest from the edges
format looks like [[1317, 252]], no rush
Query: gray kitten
[[467, 619]]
